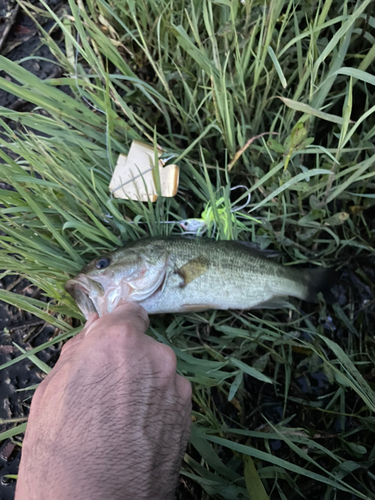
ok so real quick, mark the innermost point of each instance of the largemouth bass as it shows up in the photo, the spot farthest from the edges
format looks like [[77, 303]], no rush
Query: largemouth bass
[[177, 274]]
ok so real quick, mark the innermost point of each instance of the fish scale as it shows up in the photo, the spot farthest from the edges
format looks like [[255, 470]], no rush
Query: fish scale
[[198, 274], [236, 278]]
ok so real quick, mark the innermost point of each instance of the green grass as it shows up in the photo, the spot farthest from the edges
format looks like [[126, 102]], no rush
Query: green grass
[[201, 79]]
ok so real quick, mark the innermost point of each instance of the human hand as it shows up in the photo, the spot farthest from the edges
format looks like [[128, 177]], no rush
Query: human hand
[[111, 420]]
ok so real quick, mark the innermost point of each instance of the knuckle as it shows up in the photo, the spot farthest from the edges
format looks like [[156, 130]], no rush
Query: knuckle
[[131, 314], [185, 388], [141, 316], [169, 359], [131, 327]]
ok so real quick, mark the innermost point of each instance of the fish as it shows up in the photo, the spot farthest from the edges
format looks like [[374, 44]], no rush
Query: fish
[[177, 274]]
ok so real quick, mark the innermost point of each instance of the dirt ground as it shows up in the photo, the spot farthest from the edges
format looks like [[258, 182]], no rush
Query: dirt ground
[[20, 38]]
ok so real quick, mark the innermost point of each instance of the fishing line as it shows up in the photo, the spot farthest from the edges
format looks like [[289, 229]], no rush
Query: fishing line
[[200, 226], [247, 203], [196, 226]]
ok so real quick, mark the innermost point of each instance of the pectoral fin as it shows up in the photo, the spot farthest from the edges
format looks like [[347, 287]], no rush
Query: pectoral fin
[[192, 270]]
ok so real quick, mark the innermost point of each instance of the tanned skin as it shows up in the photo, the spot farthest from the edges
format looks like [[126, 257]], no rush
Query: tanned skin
[[111, 420]]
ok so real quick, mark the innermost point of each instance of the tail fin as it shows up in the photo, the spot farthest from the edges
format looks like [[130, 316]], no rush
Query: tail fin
[[320, 280]]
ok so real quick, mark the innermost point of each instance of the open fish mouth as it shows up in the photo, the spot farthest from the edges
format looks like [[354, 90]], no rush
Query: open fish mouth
[[101, 297], [80, 288]]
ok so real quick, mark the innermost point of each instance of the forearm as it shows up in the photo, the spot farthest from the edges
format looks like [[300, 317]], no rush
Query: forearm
[[114, 454]]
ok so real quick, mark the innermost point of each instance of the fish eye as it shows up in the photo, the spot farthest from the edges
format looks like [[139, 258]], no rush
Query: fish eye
[[102, 263]]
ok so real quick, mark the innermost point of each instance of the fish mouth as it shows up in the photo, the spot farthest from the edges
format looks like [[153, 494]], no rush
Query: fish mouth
[[101, 295], [80, 288]]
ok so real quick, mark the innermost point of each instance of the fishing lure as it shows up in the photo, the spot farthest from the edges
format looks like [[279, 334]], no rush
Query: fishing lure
[[207, 221]]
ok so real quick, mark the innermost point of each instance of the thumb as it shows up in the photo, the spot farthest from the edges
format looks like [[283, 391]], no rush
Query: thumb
[[127, 314]]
